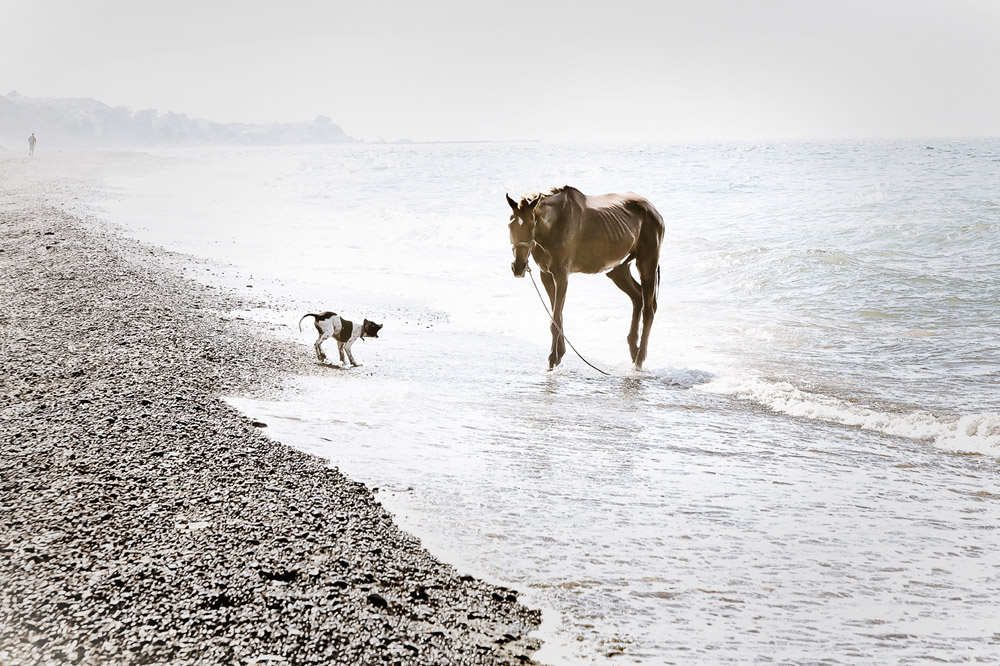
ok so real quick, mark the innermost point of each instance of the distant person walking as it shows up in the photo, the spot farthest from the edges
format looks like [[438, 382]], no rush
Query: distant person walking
[[31, 144]]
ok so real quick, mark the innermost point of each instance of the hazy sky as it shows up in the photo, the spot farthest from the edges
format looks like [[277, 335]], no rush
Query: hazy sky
[[533, 69]]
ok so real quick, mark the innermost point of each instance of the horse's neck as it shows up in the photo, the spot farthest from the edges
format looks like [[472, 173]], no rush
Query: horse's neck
[[550, 230], [550, 242]]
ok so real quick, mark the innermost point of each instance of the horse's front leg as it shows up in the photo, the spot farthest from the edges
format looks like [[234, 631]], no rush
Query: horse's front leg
[[549, 282], [557, 294]]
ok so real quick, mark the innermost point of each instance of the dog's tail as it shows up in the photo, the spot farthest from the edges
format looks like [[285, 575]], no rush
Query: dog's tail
[[303, 319]]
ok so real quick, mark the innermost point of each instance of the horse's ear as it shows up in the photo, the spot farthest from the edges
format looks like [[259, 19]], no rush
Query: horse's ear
[[533, 203], [512, 203]]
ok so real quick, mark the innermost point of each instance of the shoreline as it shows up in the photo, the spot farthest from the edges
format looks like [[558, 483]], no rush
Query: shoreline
[[145, 520]]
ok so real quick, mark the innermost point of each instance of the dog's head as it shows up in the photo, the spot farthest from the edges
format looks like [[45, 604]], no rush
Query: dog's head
[[370, 329]]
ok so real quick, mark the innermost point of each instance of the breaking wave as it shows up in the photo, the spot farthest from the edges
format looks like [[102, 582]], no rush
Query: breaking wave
[[968, 433]]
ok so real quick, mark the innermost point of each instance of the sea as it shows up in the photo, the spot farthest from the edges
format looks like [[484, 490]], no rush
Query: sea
[[807, 469]]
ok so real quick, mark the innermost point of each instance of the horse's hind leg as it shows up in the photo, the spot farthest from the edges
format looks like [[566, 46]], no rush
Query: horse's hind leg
[[649, 274], [621, 275]]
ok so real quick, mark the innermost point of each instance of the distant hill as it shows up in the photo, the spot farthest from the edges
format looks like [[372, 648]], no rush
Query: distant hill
[[88, 123]]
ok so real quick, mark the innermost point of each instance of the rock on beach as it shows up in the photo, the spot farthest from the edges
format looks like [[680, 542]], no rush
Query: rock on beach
[[143, 520]]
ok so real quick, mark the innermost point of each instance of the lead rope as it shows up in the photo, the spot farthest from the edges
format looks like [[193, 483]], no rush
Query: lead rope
[[553, 320]]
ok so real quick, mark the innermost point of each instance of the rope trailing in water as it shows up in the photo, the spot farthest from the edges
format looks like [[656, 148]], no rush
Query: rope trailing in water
[[553, 320]]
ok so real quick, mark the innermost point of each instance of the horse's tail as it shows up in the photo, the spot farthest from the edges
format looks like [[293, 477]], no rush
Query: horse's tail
[[303, 318], [656, 289]]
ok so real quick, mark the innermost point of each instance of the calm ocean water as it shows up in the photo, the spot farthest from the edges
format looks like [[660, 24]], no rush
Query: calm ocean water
[[807, 471]]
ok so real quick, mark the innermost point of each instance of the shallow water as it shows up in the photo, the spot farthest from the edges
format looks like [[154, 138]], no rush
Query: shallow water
[[788, 481]]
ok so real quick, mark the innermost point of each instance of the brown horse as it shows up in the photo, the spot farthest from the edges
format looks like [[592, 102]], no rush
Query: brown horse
[[567, 232]]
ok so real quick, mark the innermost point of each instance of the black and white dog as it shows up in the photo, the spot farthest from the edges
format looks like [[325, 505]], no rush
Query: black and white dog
[[331, 325]]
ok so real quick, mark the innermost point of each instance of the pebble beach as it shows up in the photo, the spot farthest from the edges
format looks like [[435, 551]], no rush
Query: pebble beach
[[143, 520]]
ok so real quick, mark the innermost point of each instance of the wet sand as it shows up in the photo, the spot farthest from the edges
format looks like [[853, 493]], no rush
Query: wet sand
[[143, 520]]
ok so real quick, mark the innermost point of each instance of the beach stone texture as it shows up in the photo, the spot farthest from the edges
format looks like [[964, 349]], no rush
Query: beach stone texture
[[145, 521]]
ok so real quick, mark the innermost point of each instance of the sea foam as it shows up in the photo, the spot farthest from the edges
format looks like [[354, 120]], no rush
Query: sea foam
[[968, 433]]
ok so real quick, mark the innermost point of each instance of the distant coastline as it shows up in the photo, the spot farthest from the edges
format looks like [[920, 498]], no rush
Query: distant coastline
[[408, 142], [84, 123]]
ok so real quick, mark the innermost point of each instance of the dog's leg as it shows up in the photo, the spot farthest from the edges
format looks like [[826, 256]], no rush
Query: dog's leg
[[319, 341], [340, 348], [347, 348]]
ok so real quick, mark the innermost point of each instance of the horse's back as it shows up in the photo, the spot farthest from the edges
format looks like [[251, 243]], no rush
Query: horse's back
[[628, 209], [643, 222], [610, 227], [629, 201]]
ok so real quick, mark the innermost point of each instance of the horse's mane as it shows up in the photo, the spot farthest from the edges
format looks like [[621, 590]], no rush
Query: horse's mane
[[531, 197], [566, 200]]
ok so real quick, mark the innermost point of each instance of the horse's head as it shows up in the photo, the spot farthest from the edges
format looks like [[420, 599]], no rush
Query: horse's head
[[522, 231]]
